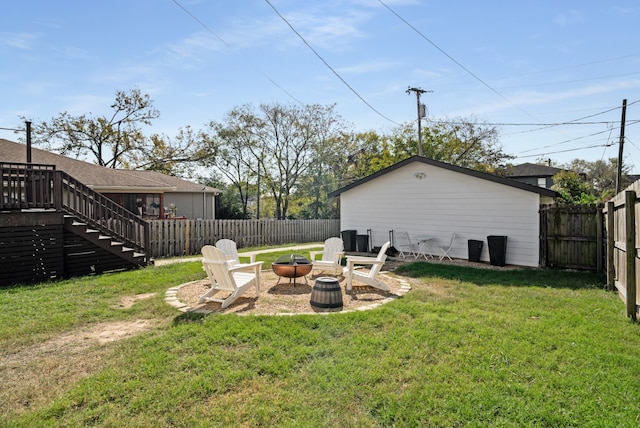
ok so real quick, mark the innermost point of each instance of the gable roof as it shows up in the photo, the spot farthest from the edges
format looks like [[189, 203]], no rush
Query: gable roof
[[99, 177], [473, 173], [532, 170]]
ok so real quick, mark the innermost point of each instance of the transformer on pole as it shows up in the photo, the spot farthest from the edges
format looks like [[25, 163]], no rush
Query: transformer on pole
[[422, 112]]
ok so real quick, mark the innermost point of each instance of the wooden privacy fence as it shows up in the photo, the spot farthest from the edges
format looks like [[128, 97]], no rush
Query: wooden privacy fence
[[571, 237], [171, 238], [622, 247]]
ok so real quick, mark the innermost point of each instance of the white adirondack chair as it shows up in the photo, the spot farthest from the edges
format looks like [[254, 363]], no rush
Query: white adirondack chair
[[230, 249], [227, 279], [331, 255], [369, 277]]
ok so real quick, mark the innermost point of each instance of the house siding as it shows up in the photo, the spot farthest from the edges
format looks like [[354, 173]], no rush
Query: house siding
[[445, 202], [190, 205], [120, 183]]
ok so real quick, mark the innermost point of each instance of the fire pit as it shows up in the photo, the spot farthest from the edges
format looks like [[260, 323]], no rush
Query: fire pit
[[291, 266]]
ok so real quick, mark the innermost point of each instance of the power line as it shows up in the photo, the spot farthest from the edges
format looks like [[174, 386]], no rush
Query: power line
[[463, 67], [577, 65], [571, 122], [545, 125], [575, 121], [608, 144], [329, 66], [491, 88], [206, 27], [582, 137], [567, 141], [532, 85], [567, 150]]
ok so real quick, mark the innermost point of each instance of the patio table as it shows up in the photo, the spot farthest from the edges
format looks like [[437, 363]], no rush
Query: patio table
[[424, 247]]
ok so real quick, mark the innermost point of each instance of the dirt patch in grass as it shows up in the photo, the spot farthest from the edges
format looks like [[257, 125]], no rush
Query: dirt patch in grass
[[127, 301], [35, 374]]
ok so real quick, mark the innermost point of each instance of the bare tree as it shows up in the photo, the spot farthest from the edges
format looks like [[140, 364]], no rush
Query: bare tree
[[276, 144], [235, 159], [108, 139], [117, 140]]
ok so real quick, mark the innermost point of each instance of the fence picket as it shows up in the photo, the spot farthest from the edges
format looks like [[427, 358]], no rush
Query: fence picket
[[569, 236], [622, 242], [173, 237]]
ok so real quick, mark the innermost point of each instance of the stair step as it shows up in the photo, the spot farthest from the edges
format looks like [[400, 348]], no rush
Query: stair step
[[101, 238]]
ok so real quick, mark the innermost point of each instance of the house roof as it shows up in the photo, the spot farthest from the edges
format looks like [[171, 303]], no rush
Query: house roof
[[482, 175], [532, 170], [101, 178]]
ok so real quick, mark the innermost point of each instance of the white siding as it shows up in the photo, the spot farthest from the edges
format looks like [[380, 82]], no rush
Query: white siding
[[441, 203]]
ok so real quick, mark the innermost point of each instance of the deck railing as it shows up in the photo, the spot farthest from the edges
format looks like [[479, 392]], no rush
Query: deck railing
[[42, 187]]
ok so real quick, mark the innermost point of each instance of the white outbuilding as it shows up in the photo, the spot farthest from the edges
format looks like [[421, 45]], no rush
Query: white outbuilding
[[427, 198]]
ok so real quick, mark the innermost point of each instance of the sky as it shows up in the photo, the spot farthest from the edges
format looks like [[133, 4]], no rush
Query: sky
[[550, 75]]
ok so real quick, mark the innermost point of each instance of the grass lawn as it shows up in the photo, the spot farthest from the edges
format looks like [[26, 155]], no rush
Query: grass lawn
[[466, 347]]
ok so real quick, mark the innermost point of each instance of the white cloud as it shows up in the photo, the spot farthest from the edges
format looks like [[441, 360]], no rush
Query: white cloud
[[369, 67], [568, 18], [18, 40]]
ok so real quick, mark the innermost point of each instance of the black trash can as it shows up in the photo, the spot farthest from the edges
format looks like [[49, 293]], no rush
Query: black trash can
[[475, 250], [363, 243], [497, 250], [349, 239]]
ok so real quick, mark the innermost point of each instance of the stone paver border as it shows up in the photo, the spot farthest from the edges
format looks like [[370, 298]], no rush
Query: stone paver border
[[171, 299]]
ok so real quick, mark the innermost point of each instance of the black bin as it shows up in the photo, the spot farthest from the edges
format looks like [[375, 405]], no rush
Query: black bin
[[475, 249], [363, 243], [349, 239], [497, 250]]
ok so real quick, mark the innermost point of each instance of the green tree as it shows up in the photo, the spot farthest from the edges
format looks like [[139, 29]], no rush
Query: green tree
[[368, 153], [235, 142], [601, 175], [227, 206], [573, 189], [465, 143], [327, 160], [178, 156], [277, 145], [461, 142]]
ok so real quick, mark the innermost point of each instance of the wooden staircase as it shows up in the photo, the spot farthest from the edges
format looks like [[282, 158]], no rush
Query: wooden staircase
[[59, 227], [105, 241]]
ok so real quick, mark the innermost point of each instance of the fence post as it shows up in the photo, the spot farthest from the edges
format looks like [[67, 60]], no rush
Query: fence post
[[187, 237], [57, 190], [630, 241], [599, 240], [611, 246], [544, 213]]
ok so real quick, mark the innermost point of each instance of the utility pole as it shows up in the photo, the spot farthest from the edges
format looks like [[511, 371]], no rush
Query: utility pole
[[258, 204], [422, 112], [621, 146], [28, 125]]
